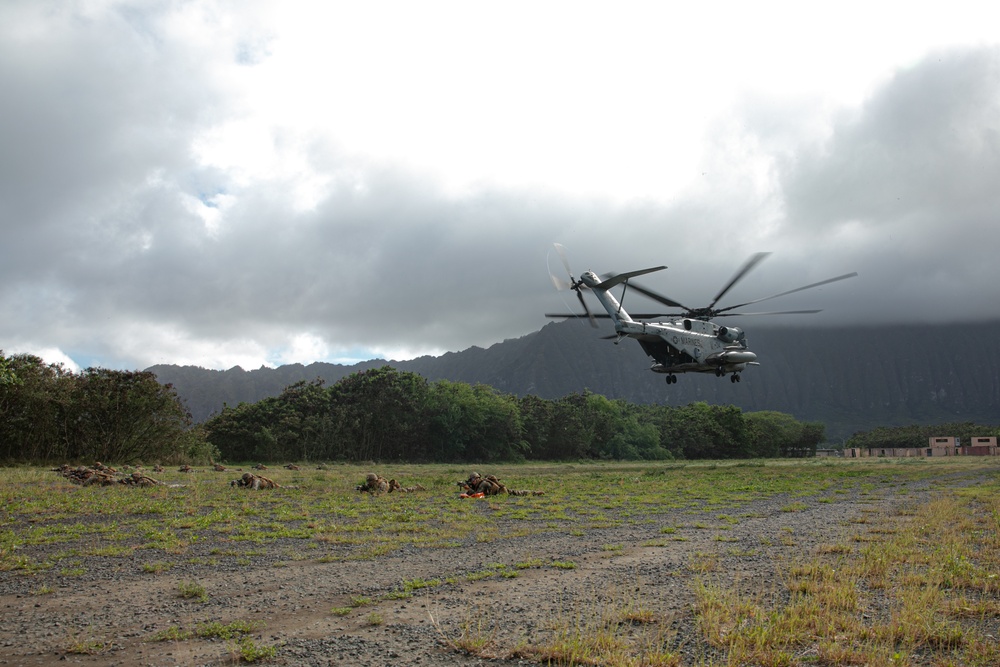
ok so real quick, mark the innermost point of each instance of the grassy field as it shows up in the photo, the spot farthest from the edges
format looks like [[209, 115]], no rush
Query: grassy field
[[914, 584]]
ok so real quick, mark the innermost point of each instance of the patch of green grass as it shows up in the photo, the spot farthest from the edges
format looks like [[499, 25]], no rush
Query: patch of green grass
[[397, 595], [87, 646], [416, 584], [172, 634], [794, 507], [246, 649], [233, 630], [191, 590]]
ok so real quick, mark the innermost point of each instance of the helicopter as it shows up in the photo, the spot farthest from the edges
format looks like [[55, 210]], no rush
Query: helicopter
[[688, 341]]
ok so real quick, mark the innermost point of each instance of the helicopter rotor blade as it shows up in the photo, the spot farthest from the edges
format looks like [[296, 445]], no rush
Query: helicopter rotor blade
[[583, 302], [791, 291], [773, 312], [573, 284], [754, 260], [561, 250], [655, 296], [560, 283], [609, 280]]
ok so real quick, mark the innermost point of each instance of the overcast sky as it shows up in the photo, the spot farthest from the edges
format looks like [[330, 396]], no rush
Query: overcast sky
[[261, 183]]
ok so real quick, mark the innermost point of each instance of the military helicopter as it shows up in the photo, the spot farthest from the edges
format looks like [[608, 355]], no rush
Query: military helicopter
[[687, 342]]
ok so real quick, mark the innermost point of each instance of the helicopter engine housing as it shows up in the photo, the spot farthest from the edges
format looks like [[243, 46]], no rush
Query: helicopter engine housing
[[729, 334]]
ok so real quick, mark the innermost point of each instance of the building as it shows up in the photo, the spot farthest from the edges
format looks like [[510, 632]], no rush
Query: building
[[936, 447]]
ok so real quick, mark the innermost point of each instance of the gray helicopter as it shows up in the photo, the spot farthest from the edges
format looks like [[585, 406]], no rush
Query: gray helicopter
[[687, 342]]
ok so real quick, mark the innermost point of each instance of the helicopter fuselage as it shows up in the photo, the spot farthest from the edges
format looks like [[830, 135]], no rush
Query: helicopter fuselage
[[679, 345], [689, 341]]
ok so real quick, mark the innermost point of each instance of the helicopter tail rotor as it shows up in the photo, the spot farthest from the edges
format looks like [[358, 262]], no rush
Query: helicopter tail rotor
[[573, 284]]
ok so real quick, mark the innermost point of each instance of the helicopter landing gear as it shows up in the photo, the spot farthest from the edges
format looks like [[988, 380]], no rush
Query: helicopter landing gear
[[671, 379], [719, 372], [735, 377]]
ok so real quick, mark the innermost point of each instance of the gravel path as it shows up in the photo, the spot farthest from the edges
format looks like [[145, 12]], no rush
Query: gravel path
[[115, 604]]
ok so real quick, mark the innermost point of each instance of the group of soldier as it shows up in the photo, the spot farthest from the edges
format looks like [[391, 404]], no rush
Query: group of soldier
[[101, 475], [474, 487]]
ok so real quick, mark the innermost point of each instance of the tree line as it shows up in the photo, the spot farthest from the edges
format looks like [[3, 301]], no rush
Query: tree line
[[384, 414], [49, 414]]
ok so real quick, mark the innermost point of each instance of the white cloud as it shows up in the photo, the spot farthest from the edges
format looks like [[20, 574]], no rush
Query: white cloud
[[258, 183]]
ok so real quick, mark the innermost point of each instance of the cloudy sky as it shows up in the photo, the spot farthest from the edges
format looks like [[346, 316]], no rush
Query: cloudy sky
[[261, 183]]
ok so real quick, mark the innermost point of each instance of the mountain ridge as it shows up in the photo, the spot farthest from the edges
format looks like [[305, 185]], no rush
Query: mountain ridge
[[851, 378]]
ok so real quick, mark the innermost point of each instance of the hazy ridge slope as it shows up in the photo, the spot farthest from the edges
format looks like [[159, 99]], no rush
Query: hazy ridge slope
[[850, 378]]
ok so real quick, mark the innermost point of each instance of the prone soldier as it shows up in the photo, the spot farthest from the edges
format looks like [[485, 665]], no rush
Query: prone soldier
[[255, 482], [374, 484], [91, 477], [491, 486], [397, 487], [138, 479]]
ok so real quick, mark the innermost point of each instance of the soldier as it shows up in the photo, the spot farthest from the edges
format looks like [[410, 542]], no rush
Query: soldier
[[185, 468], [374, 484], [292, 466], [255, 482], [260, 466], [138, 479], [395, 486], [91, 477], [491, 486]]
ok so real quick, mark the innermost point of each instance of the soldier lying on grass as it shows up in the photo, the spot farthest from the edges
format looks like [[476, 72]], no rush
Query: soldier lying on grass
[[373, 484], [377, 484], [255, 482], [491, 486], [395, 486]]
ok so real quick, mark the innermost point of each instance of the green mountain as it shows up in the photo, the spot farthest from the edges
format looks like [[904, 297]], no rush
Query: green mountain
[[849, 378]]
